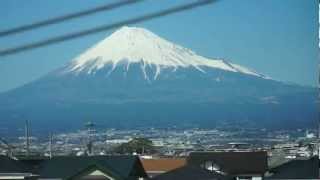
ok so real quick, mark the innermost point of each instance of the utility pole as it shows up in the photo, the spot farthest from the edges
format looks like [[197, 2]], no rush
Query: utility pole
[[318, 135], [318, 100], [27, 137], [50, 145]]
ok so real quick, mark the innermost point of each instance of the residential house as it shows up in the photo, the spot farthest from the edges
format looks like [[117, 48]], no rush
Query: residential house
[[158, 166], [240, 165], [190, 172], [296, 169], [13, 169], [75, 167]]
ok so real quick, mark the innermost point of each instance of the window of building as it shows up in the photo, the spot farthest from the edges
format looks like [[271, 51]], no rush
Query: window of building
[[212, 166]]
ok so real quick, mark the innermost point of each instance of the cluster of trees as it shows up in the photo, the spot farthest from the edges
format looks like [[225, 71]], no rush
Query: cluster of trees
[[136, 145]]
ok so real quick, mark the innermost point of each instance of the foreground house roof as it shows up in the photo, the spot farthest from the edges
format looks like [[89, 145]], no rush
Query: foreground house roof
[[162, 164], [9, 165], [14, 169], [72, 167], [297, 169], [191, 173], [233, 163], [68, 166]]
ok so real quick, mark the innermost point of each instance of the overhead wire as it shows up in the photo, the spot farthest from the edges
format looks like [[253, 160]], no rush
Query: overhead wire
[[66, 17], [74, 35]]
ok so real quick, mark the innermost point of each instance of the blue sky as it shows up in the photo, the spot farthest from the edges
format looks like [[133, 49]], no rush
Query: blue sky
[[275, 37]]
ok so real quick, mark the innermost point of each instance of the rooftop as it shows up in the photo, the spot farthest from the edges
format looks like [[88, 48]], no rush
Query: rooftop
[[162, 164]]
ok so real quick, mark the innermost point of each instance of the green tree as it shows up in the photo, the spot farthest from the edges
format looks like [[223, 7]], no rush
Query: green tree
[[136, 145]]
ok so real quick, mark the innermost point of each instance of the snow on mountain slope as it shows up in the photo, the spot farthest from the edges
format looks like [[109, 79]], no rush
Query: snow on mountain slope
[[133, 45], [187, 90]]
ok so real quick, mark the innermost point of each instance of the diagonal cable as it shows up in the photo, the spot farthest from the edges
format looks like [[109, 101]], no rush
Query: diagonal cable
[[74, 35], [36, 25]]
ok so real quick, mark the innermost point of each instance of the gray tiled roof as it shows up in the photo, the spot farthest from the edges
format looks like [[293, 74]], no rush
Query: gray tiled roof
[[122, 167], [191, 173], [9, 165], [66, 166], [297, 169], [233, 163]]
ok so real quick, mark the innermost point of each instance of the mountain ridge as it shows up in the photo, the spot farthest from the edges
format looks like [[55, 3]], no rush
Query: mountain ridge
[[133, 45], [132, 92]]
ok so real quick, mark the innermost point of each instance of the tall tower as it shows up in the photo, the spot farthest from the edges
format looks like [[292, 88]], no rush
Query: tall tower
[[90, 134]]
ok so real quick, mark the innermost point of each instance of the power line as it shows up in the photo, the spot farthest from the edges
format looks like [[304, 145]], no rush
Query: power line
[[31, 26], [99, 29]]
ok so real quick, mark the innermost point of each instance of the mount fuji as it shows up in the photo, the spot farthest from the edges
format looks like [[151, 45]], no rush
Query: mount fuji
[[136, 78]]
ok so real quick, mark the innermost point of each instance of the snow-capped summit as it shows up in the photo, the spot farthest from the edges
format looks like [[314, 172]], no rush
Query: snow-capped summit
[[137, 45], [134, 78]]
